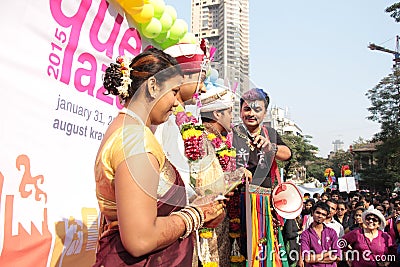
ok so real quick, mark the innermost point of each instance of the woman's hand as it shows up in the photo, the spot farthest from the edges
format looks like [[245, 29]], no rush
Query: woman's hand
[[215, 222], [211, 208]]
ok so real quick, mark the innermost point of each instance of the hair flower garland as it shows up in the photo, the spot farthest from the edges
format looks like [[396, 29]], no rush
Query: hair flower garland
[[124, 63]]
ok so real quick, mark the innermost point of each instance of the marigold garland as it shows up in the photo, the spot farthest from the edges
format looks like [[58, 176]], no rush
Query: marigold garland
[[210, 264], [224, 151], [206, 233], [192, 133]]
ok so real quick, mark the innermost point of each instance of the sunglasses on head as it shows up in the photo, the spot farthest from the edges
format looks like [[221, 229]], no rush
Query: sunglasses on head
[[373, 219]]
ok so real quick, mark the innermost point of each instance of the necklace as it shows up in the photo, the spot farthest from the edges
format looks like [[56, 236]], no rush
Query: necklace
[[132, 114], [249, 142]]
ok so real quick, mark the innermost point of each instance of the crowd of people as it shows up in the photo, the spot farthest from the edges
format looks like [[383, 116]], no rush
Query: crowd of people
[[159, 171], [346, 229]]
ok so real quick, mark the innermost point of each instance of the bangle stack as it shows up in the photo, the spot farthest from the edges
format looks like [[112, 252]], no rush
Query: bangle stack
[[193, 217]]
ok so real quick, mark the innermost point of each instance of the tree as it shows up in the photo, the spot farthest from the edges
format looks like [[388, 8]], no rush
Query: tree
[[385, 105], [303, 152], [385, 109], [394, 11], [340, 159]]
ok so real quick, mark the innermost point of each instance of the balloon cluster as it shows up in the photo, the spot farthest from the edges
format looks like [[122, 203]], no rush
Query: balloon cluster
[[158, 22], [329, 172], [213, 79], [345, 171]]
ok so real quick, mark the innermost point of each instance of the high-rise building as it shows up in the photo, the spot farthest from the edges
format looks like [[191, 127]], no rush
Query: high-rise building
[[225, 24]]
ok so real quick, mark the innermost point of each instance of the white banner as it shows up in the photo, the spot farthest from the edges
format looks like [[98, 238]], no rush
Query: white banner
[[53, 116]]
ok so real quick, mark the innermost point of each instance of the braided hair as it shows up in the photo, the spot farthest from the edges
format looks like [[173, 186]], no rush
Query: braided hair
[[145, 65]]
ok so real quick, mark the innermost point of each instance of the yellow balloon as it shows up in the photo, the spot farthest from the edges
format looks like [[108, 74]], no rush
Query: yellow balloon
[[131, 7], [145, 15]]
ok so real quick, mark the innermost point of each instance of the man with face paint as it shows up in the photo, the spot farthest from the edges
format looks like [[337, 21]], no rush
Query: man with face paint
[[257, 146]]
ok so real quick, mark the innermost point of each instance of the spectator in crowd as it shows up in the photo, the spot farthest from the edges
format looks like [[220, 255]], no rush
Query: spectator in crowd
[[370, 238], [335, 195], [358, 223], [330, 221], [316, 197], [368, 203], [306, 212], [319, 243], [325, 196], [342, 215]]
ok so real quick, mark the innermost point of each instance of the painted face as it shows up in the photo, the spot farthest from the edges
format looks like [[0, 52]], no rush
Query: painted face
[[319, 215], [189, 86], [167, 101], [253, 113], [225, 119]]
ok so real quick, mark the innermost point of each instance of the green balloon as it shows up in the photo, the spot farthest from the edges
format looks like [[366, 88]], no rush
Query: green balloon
[[178, 29], [167, 43], [159, 7], [162, 37], [166, 22], [188, 38], [171, 11], [151, 29]]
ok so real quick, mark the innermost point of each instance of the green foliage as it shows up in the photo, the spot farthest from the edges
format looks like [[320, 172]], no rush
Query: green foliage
[[303, 152], [340, 159], [394, 11], [317, 168], [385, 105], [376, 178], [385, 109], [359, 142]]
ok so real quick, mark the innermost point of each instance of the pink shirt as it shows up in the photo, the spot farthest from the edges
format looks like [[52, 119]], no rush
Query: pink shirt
[[311, 244], [366, 252]]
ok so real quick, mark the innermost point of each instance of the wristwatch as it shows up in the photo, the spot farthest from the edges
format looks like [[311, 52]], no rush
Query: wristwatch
[[274, 148]]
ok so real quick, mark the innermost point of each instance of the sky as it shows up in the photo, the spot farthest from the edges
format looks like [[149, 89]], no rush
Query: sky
[[312, 58]]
